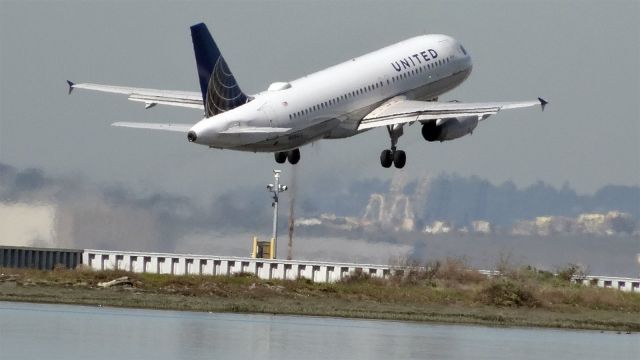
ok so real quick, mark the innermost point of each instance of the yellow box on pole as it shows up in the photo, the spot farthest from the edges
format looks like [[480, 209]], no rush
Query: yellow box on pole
[[263, 249], [272, 249]]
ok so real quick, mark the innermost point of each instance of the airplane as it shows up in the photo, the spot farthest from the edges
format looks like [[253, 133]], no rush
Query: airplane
[[392, 87]]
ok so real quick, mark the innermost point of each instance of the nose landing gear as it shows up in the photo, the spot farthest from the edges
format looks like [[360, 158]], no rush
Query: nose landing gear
[[292, 155], [393, 156]]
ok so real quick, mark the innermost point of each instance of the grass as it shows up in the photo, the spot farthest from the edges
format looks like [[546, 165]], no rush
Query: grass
[[446, 291]]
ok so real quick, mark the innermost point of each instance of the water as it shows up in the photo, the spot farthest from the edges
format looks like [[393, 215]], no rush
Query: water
[[37, 331]]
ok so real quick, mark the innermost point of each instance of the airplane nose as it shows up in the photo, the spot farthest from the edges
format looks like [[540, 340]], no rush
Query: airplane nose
[[192, 136]]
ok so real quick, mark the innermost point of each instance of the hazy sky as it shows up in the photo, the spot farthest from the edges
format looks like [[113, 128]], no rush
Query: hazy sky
[[582, 56]]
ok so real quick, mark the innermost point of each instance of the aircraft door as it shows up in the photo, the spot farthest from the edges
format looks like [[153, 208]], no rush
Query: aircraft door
[[269, 114]]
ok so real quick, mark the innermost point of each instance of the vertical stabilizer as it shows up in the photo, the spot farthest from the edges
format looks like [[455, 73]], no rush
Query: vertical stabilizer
[[220, 91]]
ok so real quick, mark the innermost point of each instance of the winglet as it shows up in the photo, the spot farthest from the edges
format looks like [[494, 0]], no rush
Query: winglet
[[71, 84], [543, 103]]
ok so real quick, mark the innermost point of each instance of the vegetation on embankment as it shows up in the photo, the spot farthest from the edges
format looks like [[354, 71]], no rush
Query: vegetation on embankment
[[444, 291]]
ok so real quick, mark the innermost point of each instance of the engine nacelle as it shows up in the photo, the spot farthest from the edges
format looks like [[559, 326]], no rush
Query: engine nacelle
[[448, 129]]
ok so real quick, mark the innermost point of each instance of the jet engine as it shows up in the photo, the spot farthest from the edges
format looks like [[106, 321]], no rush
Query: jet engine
[[448, 129]]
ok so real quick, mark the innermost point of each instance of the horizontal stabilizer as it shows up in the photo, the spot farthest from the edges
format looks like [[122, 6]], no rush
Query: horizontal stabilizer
[[150, 97], [155, 126]]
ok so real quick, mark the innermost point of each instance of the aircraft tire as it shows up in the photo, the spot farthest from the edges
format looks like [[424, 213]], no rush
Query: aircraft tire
[[399, 159], [294, 156], [280, 157], [386, 158]]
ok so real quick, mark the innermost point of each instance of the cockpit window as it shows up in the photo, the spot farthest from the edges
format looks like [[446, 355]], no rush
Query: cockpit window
[[463, 50]]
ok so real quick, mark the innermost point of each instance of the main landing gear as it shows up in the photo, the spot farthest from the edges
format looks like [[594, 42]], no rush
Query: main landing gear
[[292, 155], [393, 156]]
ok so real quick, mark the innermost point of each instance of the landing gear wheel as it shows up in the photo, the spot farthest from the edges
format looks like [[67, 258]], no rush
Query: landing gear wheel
[[294, 156], [281, 157], [399, 159], [386, 158]]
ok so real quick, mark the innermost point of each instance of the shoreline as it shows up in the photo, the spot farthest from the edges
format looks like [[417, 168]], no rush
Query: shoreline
[[456, 303], [284, 314]]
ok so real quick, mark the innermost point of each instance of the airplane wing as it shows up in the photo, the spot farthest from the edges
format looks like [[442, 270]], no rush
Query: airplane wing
[[400, 111], [155, 126], [185, 128], [150, 97]]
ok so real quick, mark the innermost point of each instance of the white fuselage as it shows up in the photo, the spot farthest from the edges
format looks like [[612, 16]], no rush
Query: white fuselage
[[330, 103]]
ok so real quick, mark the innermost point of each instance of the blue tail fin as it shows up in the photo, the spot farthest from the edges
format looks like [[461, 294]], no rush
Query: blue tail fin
[[220, 91]]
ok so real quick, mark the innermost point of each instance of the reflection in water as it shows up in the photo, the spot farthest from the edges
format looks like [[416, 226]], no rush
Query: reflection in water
[[33, 331]]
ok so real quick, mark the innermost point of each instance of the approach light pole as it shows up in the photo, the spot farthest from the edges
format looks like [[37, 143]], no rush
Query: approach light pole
[[276, 189]]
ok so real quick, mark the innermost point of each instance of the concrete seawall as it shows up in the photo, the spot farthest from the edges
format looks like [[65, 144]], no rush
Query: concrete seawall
[[189, 264], [39, 258], [186, 264]]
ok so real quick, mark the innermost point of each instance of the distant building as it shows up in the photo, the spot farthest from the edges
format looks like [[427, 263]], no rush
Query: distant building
[[481, 227], [611, 223], [591, 224], [438, 227], [308, 222]]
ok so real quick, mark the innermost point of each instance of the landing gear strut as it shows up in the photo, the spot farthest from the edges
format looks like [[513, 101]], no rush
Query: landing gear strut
[[292, 155], [393, 156]]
